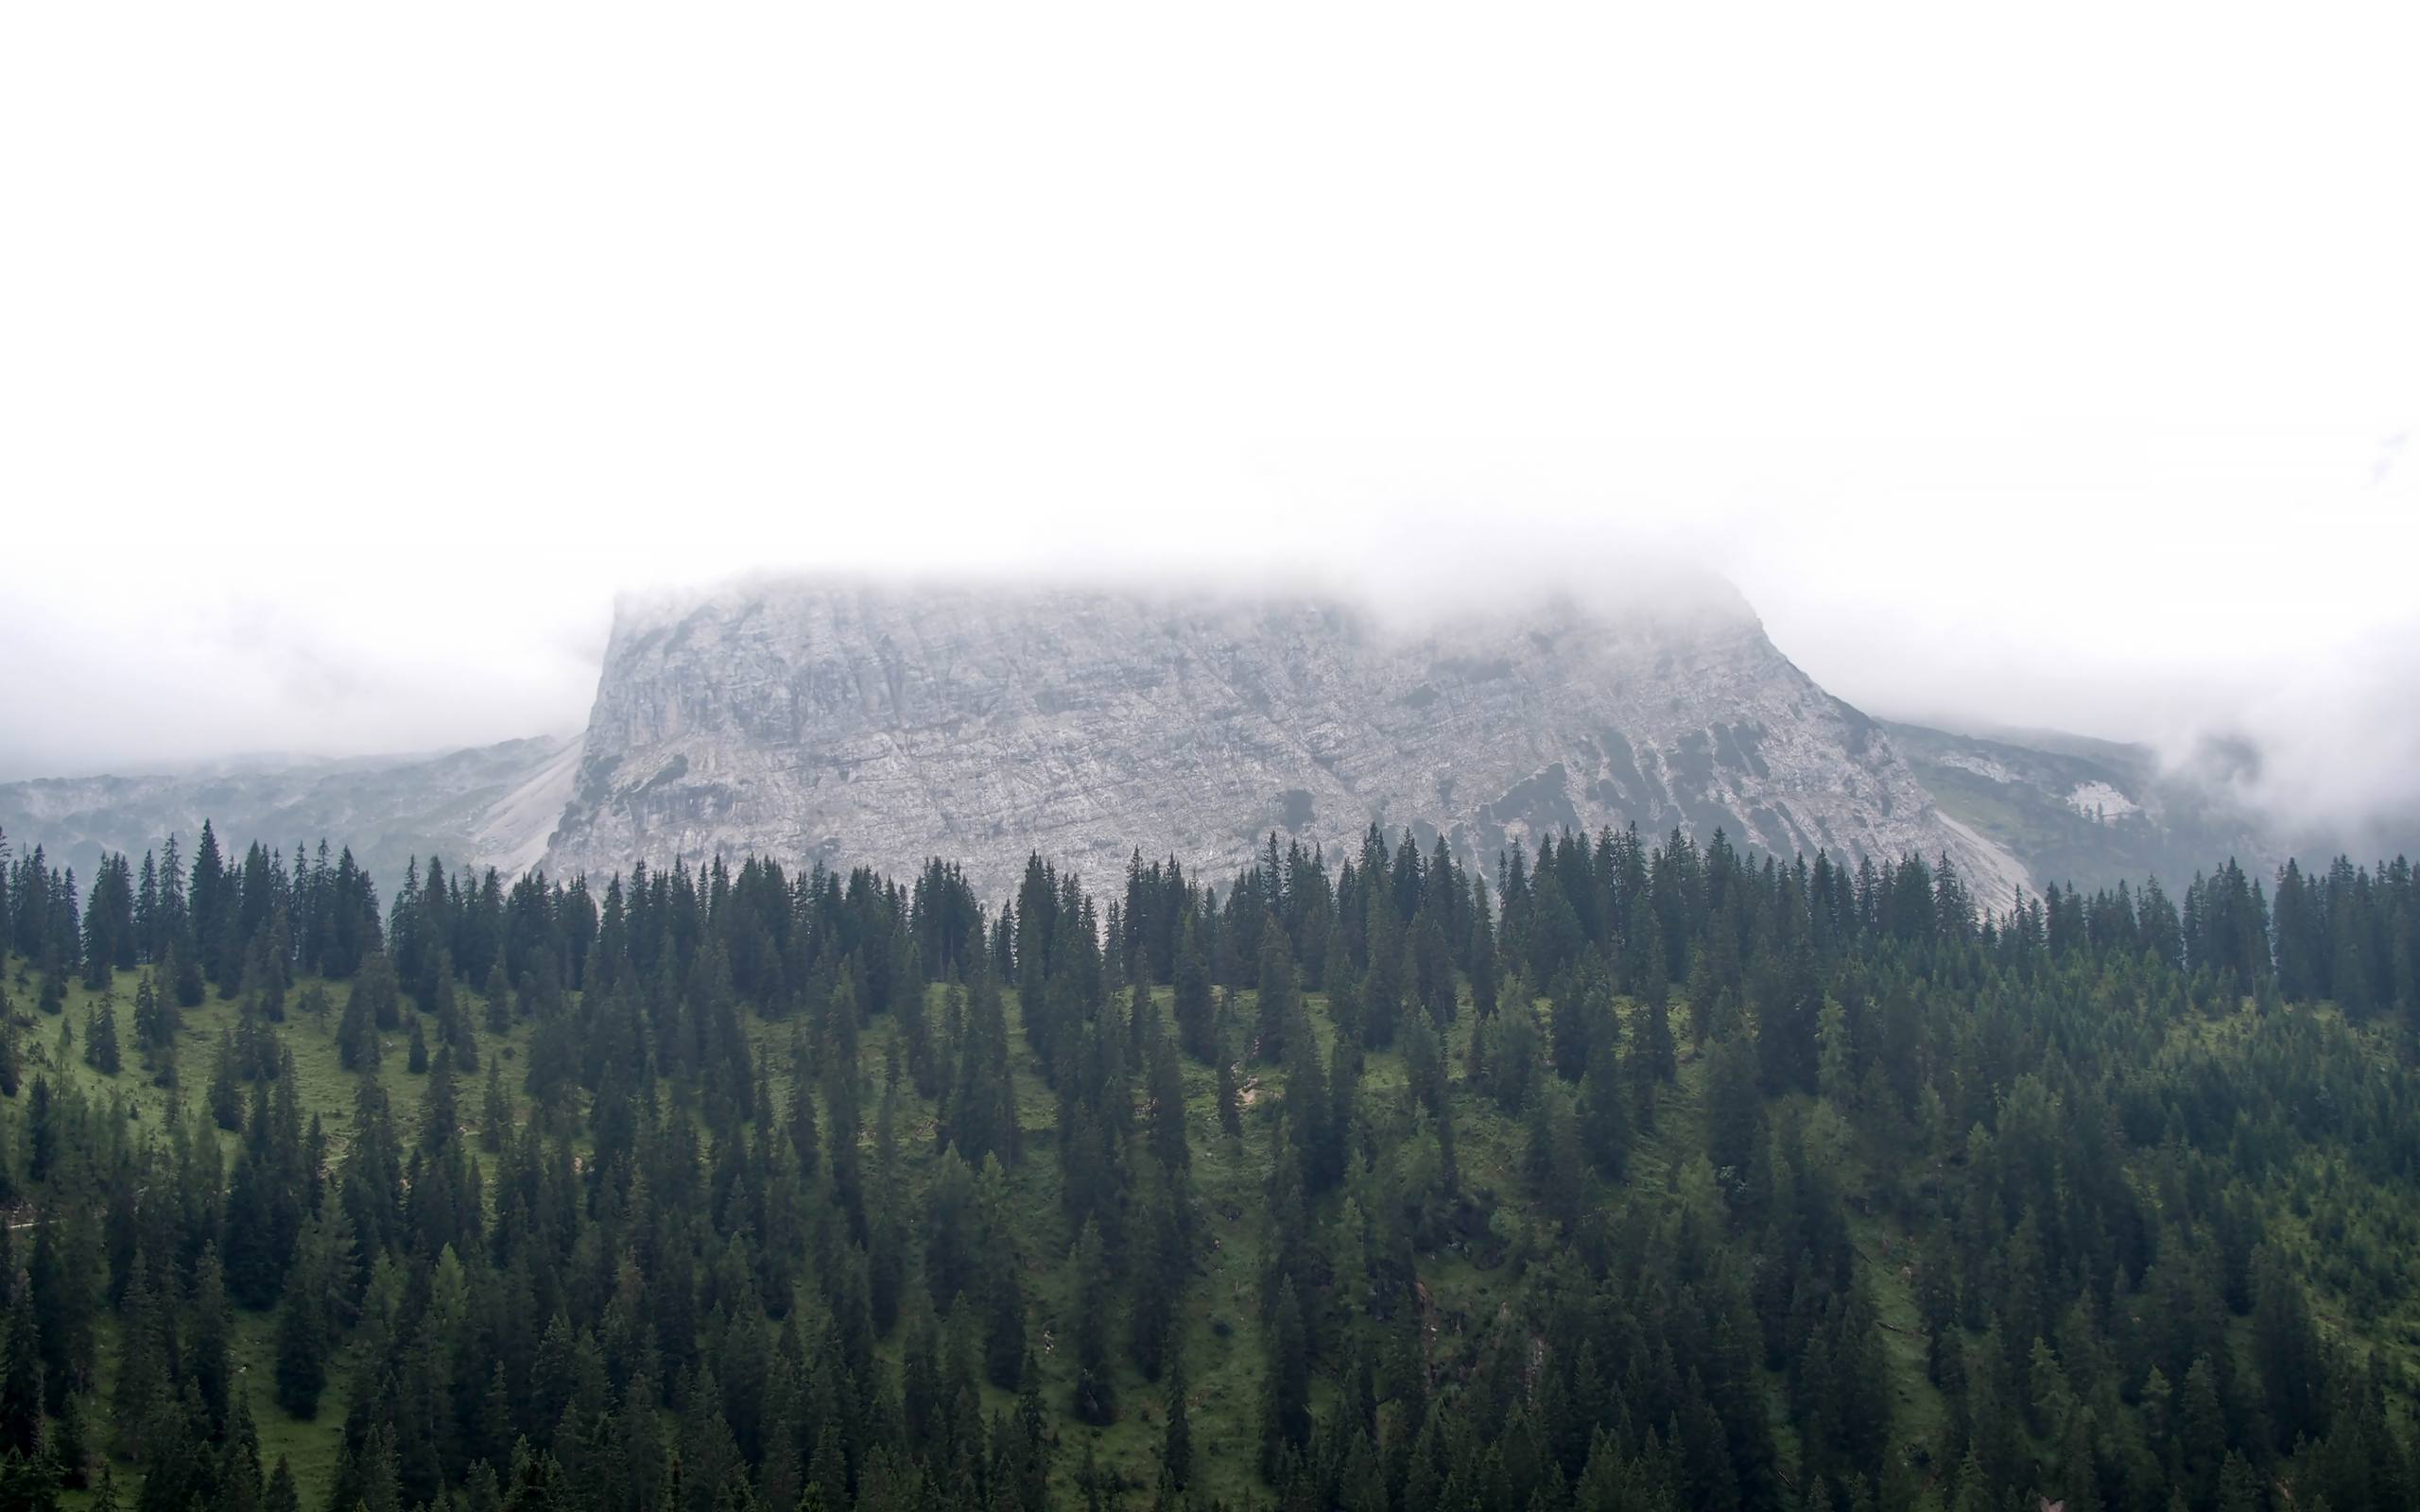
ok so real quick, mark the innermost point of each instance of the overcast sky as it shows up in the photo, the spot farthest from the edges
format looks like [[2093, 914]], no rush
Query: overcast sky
[[2052, 368]]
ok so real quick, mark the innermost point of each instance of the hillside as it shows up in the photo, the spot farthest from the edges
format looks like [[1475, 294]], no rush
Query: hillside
[[492, 805], [1841, 1189], [2083, 813]]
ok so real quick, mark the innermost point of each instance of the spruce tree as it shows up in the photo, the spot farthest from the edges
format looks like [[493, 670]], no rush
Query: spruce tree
[[495, 1111], [21, 1377], [28, 1485], [498, 996], [1004, 1343], [805, 1144], [1095, 1391], [1169, 1141], [357, 1043], [142, 1388], [226, 1101], [1192, 1007], [101, 1039], [1279, 995], [185, 975], [302, 1350], [1176, 1442], [41, 1132], [1604, 1113], [1285, 1412], [1734, 1108]]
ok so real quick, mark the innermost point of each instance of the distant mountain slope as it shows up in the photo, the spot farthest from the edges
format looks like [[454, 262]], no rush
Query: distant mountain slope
[[2081, 811], [880, 724], [490, 805]]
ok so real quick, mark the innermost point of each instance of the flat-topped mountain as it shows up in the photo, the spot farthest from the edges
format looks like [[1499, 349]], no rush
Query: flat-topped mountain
[[878, 724]]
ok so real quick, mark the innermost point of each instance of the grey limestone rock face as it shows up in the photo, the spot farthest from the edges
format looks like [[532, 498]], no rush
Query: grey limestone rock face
[[869, 724]]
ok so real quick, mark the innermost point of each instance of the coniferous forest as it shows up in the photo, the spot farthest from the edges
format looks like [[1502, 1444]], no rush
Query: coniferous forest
[[1633, 1176]]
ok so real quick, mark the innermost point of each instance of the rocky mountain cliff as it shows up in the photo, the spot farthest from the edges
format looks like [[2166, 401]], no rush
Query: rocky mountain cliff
[[868, 724]]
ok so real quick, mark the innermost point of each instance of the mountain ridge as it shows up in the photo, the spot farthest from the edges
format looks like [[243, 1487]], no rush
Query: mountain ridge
[[851, 721], [387, 809], [858, 722]]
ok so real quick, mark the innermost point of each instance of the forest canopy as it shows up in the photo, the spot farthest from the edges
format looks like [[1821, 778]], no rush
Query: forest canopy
[[1634, 1176]]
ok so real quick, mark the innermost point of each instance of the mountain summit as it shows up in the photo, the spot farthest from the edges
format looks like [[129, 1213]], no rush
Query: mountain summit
[[880, 723]]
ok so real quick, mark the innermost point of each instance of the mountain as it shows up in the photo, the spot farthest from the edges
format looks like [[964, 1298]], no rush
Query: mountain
[[2081, 812], [864, 724], [857, 723], [492, 805]]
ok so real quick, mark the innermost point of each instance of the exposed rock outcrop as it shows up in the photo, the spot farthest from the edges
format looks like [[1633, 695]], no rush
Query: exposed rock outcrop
[[860, 723]]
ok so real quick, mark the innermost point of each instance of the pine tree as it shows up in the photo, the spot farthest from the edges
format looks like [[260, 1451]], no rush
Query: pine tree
[[357, 1044], [209, 1349], [69, 1450], [1553, 1158], [302, 1350], [1734, 1107], [1192, 1007], [1483, 969], [1279, 995], [1168, 1142], [1004, 1346], [21, 1375], [28, 1485], [805, 1141], [2202, 1433], [101, 1039], [183, 973], [1176, 1443], [1580, 1014], [1285, 1414], [226, 1102], [495, 1111], [1095, 1391], [1604, 1113], [498, 996], [41, 1132], [1662, 1056], [142, 1388], [1156, 1267]]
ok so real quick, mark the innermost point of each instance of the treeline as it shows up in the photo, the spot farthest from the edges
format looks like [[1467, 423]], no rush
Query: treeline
[[749, 1216], [2349, 936]]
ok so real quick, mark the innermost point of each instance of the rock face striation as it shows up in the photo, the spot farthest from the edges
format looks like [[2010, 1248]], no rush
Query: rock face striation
[[857, 723]]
